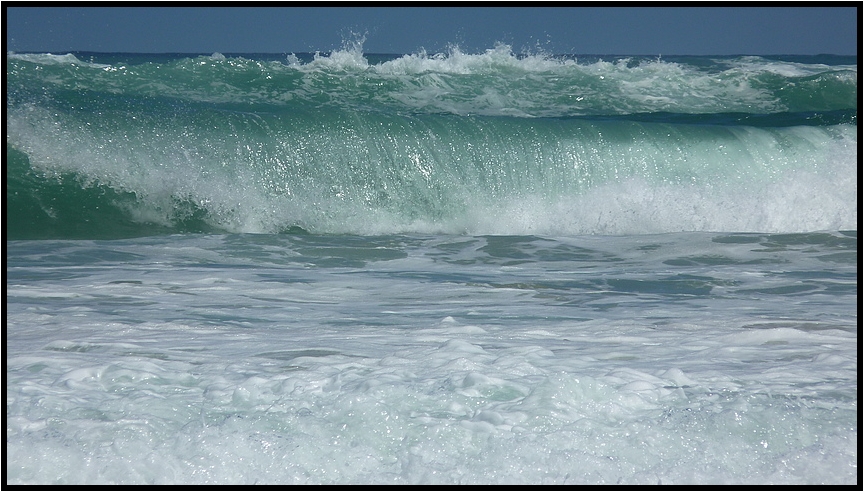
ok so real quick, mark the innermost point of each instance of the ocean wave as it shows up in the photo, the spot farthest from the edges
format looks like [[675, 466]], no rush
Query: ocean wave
[[496, 82], [493, 142], [208, 169]]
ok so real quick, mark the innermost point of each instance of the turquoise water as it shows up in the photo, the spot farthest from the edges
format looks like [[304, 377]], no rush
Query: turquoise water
[[456, 268], [493, 143]]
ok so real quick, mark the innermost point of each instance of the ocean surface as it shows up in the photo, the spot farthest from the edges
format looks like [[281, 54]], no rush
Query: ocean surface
[[454, 268]]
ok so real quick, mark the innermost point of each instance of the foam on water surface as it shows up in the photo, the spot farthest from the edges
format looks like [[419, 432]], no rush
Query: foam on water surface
[[240, 359], [451, 268], [346, 142]]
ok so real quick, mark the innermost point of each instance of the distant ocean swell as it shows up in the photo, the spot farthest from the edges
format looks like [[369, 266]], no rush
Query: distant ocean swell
[[488, 143]]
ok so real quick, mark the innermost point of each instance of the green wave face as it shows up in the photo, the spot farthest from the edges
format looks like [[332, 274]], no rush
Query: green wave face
[[488, 143]]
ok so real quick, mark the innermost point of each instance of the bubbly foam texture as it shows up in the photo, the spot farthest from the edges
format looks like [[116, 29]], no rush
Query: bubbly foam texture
[[435, 360], [455, 61], [496, 82], [465, 413], [562, 86]]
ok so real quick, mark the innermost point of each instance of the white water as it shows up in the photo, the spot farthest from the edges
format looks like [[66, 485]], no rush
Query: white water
[[794, 179], [673, 359]]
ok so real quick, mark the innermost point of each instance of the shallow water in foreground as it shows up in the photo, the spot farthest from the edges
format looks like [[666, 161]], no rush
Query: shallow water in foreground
[[677, 358], [431, 268]]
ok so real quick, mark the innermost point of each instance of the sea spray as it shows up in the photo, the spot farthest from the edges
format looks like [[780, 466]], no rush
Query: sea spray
[[348, 142]]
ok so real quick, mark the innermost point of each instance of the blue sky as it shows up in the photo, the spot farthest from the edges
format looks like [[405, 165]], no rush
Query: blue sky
[[578, 30]]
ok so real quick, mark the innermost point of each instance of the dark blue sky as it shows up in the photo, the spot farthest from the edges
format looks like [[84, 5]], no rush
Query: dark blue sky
[[579, 30]]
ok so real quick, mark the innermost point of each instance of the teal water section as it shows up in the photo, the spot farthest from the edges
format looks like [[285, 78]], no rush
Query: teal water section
[[455, 143], [684, 358]]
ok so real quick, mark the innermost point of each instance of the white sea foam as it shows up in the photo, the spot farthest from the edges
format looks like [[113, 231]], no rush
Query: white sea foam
[[451, 359], [52, 59], [546, 85], [593, 181], [755, 64]]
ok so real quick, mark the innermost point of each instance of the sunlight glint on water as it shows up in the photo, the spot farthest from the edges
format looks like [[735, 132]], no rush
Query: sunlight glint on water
[[431, 269]]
